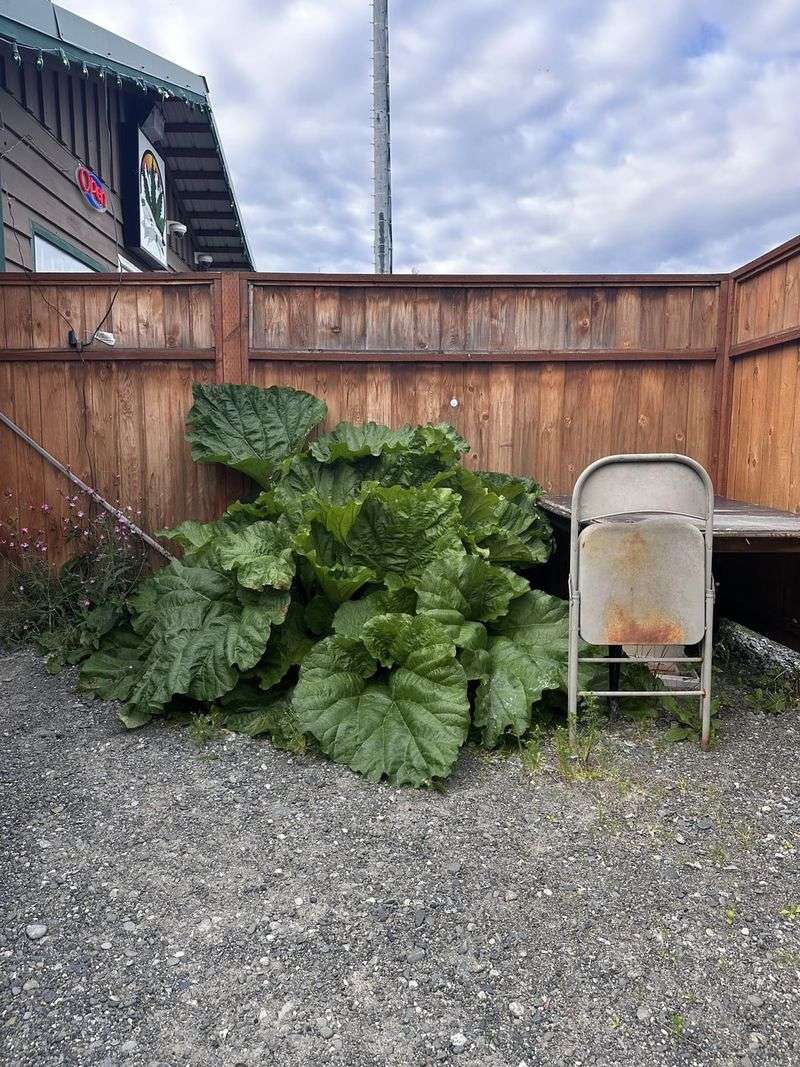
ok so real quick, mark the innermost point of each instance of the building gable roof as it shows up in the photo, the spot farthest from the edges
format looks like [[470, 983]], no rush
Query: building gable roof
[[191, 147]]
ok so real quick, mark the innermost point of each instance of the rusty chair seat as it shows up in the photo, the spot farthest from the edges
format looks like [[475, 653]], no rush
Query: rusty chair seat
[[642, 583]]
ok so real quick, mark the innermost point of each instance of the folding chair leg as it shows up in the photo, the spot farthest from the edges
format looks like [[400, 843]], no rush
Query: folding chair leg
[[705, 672], [572, 674], [614, 671]]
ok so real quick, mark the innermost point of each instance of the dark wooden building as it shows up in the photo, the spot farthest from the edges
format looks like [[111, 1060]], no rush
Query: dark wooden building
[[109, 155]]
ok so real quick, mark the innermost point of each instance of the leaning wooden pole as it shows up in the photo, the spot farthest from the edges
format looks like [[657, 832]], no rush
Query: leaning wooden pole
[[120, 516], [381, 143]]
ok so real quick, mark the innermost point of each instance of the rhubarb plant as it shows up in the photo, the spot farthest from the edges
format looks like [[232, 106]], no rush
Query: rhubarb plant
[[372, 598]]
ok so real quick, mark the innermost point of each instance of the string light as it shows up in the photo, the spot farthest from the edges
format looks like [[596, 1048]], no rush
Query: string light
[[101, 72]]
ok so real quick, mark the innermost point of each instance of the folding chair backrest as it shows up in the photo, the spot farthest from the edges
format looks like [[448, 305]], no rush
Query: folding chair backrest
[[624, 485]]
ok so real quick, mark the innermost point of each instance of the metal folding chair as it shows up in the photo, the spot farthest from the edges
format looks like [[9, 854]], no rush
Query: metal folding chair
[[641, 539]]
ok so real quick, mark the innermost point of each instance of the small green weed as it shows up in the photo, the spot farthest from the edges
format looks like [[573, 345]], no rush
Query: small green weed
[[677, 1025], [718, 854], [688, 724], [730, 915], [530, 752], [583, 766], [775, 694], [790, 913], [745, 832], [205, 728]]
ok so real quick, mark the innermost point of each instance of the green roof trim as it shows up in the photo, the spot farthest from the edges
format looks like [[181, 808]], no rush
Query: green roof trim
[[27, 37]]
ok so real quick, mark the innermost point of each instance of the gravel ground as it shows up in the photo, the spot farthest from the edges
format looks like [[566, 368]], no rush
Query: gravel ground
[[161, 904]]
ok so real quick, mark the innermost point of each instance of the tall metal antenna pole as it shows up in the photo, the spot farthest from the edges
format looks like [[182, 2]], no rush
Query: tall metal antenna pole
[[383, 160]]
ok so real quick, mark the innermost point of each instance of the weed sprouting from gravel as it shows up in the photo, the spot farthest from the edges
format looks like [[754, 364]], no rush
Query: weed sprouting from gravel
[[586, 763], [677, 1025], [205, 728], [531, 752]]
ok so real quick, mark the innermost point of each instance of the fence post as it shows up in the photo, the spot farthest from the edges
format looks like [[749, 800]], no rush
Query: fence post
[[721, 412], [231, 327], [231, 340]]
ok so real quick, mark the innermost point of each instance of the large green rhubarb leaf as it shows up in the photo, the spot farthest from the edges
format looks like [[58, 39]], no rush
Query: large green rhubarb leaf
[[527, 654], [407, 456], [353, 615], [305, 481], [463, 592], [349, 441], [196, 631], [250, 429], [510, 486], [112, 672], [330, 564], [195, 538], [287, 647], [397, 532], [499, 516], [177, 589], [260, 555], [200, 540], [431, 451], [407, 724], [521, 533]]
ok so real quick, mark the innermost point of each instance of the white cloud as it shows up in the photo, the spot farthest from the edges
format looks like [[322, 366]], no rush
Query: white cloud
[[575, 136]]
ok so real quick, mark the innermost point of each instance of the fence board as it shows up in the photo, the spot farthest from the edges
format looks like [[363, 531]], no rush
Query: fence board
[[478, 319]]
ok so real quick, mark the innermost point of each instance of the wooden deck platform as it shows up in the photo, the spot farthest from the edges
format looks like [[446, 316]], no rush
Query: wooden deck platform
[[738, 526]]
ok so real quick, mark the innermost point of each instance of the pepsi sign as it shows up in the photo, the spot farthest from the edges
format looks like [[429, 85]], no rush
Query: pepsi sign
[[94, 192]]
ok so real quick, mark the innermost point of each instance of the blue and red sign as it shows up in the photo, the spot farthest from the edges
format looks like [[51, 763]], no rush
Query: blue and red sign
[[94, 192]]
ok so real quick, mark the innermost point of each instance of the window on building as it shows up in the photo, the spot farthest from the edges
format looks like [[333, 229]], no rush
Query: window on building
[[52, 256]]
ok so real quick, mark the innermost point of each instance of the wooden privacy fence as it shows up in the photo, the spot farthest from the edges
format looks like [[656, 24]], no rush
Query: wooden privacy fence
[[541, 374]]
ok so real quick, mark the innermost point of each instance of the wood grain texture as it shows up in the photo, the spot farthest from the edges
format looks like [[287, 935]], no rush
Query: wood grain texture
[[764, 450], [545, 420], [491, 319], [768, 301]]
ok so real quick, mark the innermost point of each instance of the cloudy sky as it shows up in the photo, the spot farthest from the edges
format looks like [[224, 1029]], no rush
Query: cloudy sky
[[537, 136]]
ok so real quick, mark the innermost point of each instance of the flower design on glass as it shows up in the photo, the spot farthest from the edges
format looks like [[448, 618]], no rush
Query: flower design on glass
[[151, 186]]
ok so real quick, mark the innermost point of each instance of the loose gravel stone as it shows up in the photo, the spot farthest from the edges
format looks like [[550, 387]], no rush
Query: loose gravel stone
[[425, 916], [36, 931]]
